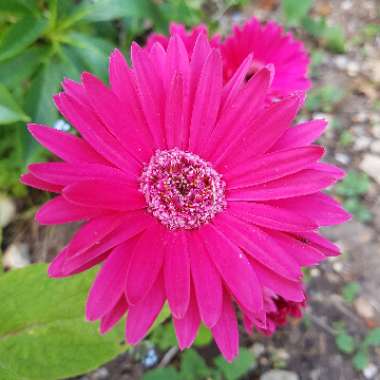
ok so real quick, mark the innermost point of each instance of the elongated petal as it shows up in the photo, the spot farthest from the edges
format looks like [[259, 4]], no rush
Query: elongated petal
[[258, 244], [207, 283], [110, 282], [62, 173], [320, 243], [142, 315], [59, 211], [106, 194], [147, 260], [32, 181], [272, 166], [65, 145], [110, 319], [307, 181], [177, 274], [206, 102], [271, 217], [301, 135], [187, 327], [230, 260], [319, 207], [225, 332]]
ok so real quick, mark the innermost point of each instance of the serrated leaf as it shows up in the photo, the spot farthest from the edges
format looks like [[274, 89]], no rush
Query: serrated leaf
[[345, 342], [360, 360], [168, 373], [19, 68], [239, 367], [294, 11], [43, 334], [193, 366], [10, 111], [20, 35]]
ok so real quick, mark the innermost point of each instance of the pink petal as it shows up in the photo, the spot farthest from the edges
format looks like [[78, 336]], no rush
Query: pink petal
[[142, 315], [319, 207], [131, 226], [177, 274], [230, 260], [110, 319], [106, 194], [207, 282], [107, 106], [62, 173], [206, 102], [333, 170], [271, 217], [65, 145], [262, 133], [93, 131], [320, 243], [235, 118], [258, 244], [307, 181], [225, 332], [110, 281], [58, 211], [272, 166], [147, 260], [32, 181], [76, 90], [300, 135], [290, 290], [187, 327], [150, 93]]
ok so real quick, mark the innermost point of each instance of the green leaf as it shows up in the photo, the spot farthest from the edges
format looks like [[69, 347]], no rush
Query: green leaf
[[204, 336], [10, 112], [294, 11], [350, 291], [19, 68], [20, 35], [360, 360], [105, 10], [168, 373], [335, 39], [239, 367], [90, 52], [193, 366], [43, 334], [355, 183], [373, 338], [345, 342], [18, 7], [324, 98]]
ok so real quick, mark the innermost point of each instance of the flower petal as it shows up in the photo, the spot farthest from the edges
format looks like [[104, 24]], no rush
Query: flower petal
[[110, 319]]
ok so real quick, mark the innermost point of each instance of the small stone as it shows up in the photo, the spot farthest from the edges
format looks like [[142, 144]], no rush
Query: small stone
[[16, 256], [364, 308], [315, 272], [371, 165], [360, 117], [362, 143], [282, 354], [7, 210], [279, 374], [376, 130], [374, 67], [353, 68], [342, 158], [341, 62], [370, 371], [257, 349], [100, 374], [375, 146]]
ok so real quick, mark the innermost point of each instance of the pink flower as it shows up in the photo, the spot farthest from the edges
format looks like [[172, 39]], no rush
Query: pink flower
[[268, 44], [192, 192]]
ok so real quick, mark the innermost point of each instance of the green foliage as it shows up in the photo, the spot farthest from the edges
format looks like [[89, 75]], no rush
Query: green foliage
[[10, 112], [351, 291], [345, 342], [194, 367], [294, 11], [324, 98], [43, 334]]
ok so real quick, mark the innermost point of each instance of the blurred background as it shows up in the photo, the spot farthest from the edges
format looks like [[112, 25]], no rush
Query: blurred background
[[42, 41]]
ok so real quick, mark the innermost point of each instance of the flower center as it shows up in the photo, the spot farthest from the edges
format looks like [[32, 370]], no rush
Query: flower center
[[182, 190]]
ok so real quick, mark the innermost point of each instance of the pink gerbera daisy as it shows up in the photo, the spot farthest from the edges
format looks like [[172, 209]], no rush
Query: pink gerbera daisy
[[192, 191], [269, 44]]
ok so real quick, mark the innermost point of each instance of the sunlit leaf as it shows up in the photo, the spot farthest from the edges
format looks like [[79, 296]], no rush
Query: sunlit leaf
[[10, 111]]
